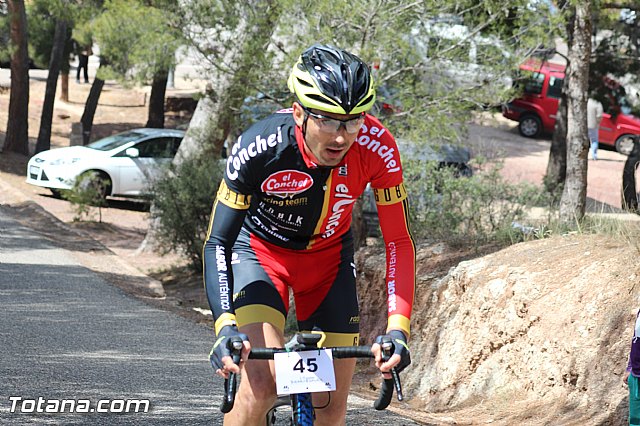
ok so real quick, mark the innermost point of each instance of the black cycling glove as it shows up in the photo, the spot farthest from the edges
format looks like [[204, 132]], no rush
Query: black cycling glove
[[400, 347], [222, 347]]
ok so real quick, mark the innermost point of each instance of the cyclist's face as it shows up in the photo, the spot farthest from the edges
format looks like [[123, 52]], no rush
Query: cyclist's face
[[328, 141]]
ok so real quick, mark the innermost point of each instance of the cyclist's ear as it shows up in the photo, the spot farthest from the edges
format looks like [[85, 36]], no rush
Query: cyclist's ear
[[298, 114]]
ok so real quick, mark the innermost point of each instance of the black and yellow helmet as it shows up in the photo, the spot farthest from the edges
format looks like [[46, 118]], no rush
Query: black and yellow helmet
[[332, 80]]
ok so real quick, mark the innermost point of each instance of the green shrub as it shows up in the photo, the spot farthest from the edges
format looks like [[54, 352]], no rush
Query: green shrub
[[465, 210], [88, 191], [181, 204]]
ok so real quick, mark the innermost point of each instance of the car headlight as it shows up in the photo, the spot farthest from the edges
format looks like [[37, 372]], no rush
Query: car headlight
[[63, 161]]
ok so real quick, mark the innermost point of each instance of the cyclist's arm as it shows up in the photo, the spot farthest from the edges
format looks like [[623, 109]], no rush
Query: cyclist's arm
[[393, 212], [227, 216]]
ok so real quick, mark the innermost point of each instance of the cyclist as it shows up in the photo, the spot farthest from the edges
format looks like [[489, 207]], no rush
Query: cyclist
[[281, 219]]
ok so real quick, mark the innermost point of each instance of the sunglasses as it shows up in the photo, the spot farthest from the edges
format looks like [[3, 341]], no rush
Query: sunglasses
[[332, 125]]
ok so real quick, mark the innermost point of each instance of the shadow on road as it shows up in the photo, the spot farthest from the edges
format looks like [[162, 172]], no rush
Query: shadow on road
[[137, 205], [595, 206]]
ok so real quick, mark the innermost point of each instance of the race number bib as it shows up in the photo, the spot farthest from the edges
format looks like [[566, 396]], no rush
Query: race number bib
[[306, 371]]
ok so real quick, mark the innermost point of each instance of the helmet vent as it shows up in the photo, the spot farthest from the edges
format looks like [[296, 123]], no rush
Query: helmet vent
[[304, 83], [319, 99], [367, 100]]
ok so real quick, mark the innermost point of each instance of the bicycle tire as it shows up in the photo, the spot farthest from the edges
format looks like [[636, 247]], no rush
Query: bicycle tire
[[302, 409]]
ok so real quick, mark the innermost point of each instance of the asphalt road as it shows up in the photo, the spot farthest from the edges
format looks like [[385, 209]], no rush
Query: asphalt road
[[67, 334]]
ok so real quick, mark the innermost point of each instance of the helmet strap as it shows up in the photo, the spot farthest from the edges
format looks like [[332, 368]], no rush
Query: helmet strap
[[304, 125], [304, 128]]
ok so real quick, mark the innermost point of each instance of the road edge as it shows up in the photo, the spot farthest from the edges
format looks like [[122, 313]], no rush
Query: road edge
[[89, 252]]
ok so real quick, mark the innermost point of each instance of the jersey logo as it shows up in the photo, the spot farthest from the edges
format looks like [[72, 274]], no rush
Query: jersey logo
[[342, 203], [241, 156], [386, 153], [387, 196], [286, 183]]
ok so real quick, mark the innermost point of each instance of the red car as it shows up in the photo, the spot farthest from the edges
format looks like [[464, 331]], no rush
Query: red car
[[536, 109]]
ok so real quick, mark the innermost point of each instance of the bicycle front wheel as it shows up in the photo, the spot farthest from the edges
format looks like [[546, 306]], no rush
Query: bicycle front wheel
[[302, 409]]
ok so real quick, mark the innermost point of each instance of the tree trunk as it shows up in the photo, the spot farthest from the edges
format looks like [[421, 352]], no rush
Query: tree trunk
[[17, 136], [156, 101], [64, 86], [630, 185], [212, 120], [55, 62], [212, 130], [574, 195], [90, 109], [199, 129], [557, 165], [65, 67], [358, 228]]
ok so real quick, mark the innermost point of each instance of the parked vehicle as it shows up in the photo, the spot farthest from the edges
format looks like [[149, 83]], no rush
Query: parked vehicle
[[124, 162], [536, 110]]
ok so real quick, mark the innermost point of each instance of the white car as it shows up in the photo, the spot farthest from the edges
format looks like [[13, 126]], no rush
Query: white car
[[125, 162]]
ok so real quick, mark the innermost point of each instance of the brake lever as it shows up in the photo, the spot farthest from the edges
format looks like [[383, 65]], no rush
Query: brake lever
[[235, 346], [387, 351], [396, 383]]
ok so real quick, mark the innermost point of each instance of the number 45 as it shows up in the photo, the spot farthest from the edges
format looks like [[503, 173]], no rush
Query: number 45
[[311, 365]]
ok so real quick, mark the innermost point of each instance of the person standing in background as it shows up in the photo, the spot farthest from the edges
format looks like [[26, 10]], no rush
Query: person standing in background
[[83, 63], [594, 116]]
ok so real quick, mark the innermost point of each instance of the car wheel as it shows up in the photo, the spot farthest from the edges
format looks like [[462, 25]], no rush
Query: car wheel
[[530, 126], [624, 144], [57, 193], [98, 181]]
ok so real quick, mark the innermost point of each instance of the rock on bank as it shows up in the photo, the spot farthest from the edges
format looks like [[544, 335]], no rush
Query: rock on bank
[[537, 333]]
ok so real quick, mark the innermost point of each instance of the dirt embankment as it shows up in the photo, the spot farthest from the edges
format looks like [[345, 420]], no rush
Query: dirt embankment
[[537, 333]]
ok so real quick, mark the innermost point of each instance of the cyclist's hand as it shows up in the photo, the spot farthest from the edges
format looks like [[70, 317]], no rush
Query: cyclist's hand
[[221, 355], [400, 357]]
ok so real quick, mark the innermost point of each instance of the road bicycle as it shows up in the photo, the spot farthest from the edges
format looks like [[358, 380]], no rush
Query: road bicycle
[[302, 410]]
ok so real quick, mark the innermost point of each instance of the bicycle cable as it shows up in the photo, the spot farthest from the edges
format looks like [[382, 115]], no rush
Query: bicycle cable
[[325, 405]]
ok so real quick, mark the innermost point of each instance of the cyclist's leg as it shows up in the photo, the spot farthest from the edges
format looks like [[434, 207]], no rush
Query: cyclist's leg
[[333, 309], [261, 307], [256, 393], [335, 412]]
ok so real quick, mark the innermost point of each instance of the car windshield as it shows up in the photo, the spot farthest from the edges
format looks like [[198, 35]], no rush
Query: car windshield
[[533, 83], [115, 141]]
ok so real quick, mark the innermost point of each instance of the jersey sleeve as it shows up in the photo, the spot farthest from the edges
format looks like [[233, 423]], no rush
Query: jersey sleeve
[[227, 215], [243, 174], [393, 212], [401, 257]]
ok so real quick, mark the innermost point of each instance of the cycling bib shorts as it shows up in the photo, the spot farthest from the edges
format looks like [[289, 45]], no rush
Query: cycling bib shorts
[[323, 283]]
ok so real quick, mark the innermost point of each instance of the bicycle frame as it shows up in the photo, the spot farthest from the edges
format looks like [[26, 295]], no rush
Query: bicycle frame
[[302, 408]]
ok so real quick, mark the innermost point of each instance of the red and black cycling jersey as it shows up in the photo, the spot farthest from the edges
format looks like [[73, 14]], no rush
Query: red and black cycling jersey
[[276, 192]]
